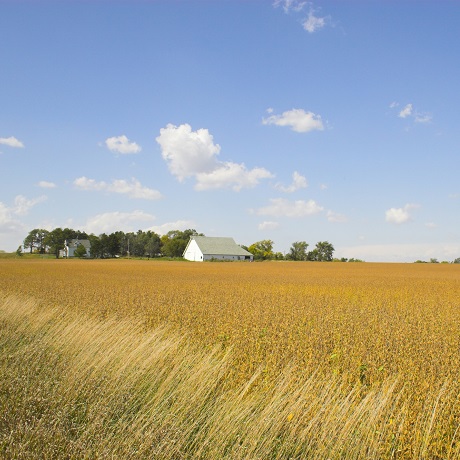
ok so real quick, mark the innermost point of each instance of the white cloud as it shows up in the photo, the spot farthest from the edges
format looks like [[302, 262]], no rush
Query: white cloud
[[233, 175], [168, 226], [297, 119], [280, 207], [288, 5], [406, 111], [400, 215], [430, 225], [313, 23], [46, 184], [409, 112], [22, 205], [12, 230], [113, 221], [122, 144], [268, 225], [336, 217], [323, 186], [8, 223], [11, 142], [298, 182], [133, 189], [423, 117], [193, 154]]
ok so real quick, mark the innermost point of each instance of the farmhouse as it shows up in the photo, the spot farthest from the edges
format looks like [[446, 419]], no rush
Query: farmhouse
[[70, 246], [201, 248]]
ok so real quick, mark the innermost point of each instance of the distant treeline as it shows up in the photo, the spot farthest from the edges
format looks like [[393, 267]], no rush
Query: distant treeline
[[150, 244]]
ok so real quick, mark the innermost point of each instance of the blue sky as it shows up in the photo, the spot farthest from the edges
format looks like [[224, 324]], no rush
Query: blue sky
[[282, 120]]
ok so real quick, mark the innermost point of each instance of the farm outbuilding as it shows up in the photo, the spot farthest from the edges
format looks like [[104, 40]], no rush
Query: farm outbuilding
[[201, 248]]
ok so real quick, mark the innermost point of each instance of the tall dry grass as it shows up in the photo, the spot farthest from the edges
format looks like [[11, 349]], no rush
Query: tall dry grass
[[75, 386]]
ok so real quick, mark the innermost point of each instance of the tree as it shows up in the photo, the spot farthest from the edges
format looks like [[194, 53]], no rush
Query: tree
[[80, 251], [55, 241], [323, 252], [19, 251], [298, 251], [262, 250], [36, 239], [175, 242], [456, 261]]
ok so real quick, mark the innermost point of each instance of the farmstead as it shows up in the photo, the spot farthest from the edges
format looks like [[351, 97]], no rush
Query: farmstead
[[201, 248]]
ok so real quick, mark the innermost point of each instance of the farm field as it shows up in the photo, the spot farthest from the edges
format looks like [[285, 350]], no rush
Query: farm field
[[276, 360]]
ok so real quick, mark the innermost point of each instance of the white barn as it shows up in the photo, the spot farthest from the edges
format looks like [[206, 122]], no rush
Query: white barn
[[201, 248]]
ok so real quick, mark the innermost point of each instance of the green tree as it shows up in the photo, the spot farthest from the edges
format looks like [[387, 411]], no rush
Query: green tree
[[262, 250], [80, 251], [173, 244], [36, 240], [298, 251], [323, 252]]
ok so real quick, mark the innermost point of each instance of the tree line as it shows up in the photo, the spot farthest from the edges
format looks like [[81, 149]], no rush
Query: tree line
[[150, 244], [135, 244]]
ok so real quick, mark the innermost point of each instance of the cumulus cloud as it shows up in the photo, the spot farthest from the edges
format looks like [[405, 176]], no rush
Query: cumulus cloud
[[400, 215], [133, 189], [233, 175], [406, 111], [194, 154], [46, 184], [298, 182], [268, 225], [280, 207], [122, 144], [297, 119], [11, 142], [112, 221], [336, 217]]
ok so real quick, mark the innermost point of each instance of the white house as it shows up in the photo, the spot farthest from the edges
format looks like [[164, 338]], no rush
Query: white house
[[201, 248], [70, 246]]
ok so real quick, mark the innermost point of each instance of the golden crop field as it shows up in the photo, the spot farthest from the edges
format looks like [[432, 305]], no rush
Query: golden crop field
[[368, 328]]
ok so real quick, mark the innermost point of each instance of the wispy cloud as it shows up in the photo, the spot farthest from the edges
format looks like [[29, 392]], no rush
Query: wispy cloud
[[46, 184], [113, 221], [194, 154], [268, 225], [297, 119], [336, 217], [280, 207], [308, 14], [168, 226], [11, 142], [298, 182], [409, 112], [133, 189], [121, 144]]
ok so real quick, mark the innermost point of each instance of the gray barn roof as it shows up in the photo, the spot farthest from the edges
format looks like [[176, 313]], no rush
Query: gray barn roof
[[210, 245]]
